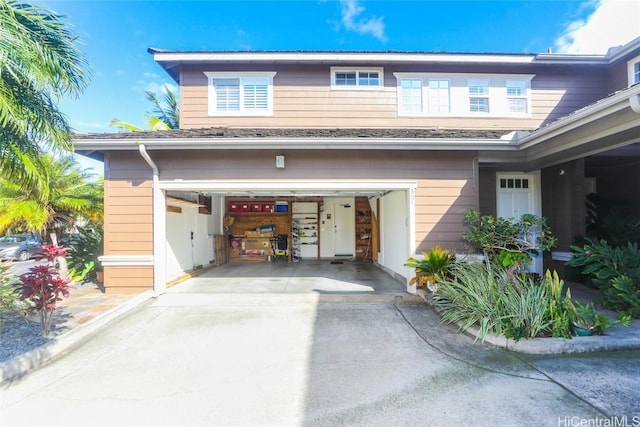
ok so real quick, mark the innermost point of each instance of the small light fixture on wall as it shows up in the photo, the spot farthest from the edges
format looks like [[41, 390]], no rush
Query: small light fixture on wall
[[280, 162]]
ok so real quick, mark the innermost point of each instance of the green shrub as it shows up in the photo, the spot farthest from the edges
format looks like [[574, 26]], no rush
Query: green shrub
[[508, 241], [86, 247], [483, 294], [9, 292], [560, 309], [614, 270], [623, 296]]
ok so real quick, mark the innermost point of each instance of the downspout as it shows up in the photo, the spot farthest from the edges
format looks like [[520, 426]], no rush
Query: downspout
[[159, 223]]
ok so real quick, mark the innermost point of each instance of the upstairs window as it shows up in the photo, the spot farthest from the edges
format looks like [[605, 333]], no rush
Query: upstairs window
[[439, 97], [410, 96], [636, 73], [464, 95], [349, 78], [478, 96], [240, 94], [517, 99]]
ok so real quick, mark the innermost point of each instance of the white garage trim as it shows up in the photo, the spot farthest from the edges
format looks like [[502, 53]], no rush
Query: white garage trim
[[286, 185], [126, 260], [293, 188]]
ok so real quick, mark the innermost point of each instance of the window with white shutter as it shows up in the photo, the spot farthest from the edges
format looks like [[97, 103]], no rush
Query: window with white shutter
[[240, 93]]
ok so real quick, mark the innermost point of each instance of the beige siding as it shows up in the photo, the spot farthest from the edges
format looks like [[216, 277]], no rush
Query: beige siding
[[128, 220], [128, 280], [303, 98]]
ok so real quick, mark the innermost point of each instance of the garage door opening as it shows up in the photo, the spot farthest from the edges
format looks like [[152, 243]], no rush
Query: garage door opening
[[212, 226]]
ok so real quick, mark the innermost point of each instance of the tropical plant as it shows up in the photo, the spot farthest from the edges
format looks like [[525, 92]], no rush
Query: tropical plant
[[167, 109], [39, 63], [86, 247], [43, 287], [165, 114], [482, 294], [623, 295], [63, 194], [508, 241], [614, 270], [9, 293], [433, 267], [587, 317], [560, 310]]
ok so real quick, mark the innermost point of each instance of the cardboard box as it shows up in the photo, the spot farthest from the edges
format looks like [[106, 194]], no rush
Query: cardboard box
[[252, 233], [258, 243]]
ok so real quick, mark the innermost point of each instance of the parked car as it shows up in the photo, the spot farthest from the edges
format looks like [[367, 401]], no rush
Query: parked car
[[20, 247]]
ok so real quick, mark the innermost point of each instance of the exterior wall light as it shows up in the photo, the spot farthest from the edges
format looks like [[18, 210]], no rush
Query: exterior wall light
[[280, 162]]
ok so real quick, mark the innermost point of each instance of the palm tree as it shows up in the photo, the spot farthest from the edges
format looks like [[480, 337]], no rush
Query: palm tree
[[70, 193], [39, 63], [165, 114]]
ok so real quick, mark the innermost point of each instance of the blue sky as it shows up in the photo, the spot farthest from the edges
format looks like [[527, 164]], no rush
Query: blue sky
[[115, 35]]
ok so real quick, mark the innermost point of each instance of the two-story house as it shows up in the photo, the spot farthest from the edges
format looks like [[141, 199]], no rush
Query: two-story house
[[389, 149]]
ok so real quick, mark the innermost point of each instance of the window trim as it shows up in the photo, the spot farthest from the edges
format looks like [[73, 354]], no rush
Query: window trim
[[241, 76], [526, 96], [459, 94], [357, 70], [631, 72], [485, 84]]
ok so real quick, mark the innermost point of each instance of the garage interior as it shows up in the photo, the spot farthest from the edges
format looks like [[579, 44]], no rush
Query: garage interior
[[205, 228]]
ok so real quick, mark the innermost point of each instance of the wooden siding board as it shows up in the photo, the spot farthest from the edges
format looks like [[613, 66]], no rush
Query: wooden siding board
[[303, 96]]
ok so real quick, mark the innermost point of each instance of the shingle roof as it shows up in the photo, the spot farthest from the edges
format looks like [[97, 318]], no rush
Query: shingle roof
[[284, 133]]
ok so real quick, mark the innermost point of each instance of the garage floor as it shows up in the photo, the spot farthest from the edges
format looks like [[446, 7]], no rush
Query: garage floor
[[322, 276]]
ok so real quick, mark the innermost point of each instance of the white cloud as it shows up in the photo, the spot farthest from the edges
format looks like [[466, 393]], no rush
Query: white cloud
[[612, 23], [351, 11]]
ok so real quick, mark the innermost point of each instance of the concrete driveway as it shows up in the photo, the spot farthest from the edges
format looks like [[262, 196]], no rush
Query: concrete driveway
[[197, 357]]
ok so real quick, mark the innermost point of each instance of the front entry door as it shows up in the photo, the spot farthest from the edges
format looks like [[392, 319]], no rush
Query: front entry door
[[515, 197], [345, 229]]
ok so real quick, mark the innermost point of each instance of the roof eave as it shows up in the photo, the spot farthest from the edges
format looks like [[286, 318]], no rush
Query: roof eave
[[401, 144]]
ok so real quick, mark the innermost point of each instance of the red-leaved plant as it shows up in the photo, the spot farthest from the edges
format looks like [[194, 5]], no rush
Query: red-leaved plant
[[43, 287]]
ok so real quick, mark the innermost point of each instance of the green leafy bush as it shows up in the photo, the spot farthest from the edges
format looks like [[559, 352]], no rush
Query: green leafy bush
[[9, 293], [86, 247], [587, 317], [508, 241], [560, 309], [483, 294], [614, 270]]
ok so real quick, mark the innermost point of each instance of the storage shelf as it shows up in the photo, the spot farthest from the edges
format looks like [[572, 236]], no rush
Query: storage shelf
[[304, 229]]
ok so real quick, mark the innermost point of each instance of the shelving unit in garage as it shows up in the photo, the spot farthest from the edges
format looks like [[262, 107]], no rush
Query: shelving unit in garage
[[304, 231], [255, 222], [363, 228]]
